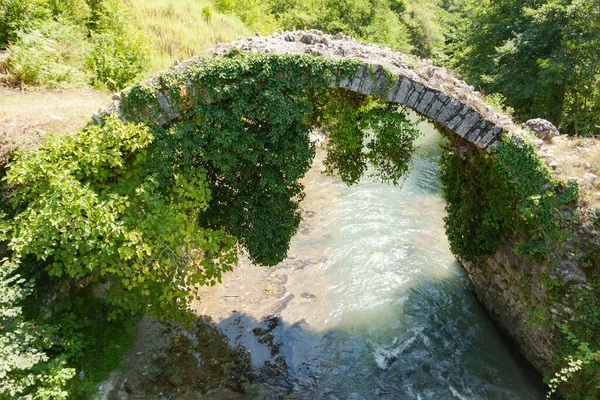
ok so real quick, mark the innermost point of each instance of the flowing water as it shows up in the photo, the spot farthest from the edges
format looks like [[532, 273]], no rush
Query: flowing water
[[371, 302]]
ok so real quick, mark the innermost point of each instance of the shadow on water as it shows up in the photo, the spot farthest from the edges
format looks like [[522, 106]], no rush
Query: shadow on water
[[387, 312], [431, 350]]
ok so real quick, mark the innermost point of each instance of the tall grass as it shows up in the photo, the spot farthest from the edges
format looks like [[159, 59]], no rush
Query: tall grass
[[180, 29]]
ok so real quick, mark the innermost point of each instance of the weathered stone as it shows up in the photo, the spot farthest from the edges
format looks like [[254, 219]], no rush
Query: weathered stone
[[367, 85], [166, 104], [307, 39], [403, 91], [356, 83], [426, 100], [381, 81], [480, 129], [455, 122], [345, 83], [590, 177], [488, 137], [391, 95], [452, 108], [470, 120], [369, 80], [414, 96], [542, 128]]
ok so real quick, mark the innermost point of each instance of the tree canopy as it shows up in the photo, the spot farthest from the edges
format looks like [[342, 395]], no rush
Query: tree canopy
[[543, 56]]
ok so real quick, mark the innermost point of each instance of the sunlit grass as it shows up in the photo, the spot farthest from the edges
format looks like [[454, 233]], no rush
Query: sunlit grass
[[180, 29]]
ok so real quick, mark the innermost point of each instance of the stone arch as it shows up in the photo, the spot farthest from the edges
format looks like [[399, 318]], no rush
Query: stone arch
[[432, 92]]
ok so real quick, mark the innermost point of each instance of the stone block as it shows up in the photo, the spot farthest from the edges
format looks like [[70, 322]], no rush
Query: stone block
[[471, 118], [167, 105], [391, 95], [381, 81], [428, 97], [404, 90], [356, 83], [367, 84], [449, 111], [437, 106], [345, 83], [488, 137], [414, 97], [455, 122]]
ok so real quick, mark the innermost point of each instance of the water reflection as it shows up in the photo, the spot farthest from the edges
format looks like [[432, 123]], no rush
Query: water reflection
[[373, 303]]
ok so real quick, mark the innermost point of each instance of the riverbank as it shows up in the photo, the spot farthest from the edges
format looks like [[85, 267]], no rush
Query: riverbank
[[370, 303]]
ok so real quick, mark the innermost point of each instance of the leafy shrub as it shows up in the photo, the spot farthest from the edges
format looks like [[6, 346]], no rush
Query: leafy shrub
[[509, 194], [119, 52], [116, 60], [25, 367], [88, 209], [67, 43], [21, 16], [51, 56]]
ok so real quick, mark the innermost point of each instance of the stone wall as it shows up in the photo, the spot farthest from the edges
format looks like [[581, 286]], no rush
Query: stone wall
[[529, 298]]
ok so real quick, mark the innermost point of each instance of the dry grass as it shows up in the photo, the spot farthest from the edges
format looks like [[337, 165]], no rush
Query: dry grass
[[577, 157], [27, 116], [180, 29]]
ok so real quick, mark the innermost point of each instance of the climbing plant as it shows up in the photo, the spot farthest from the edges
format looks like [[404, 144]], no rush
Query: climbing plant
[[509, 194], [143, 210], [246, 119]]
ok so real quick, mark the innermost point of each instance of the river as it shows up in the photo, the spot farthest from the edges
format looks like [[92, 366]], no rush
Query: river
[[371, 304]]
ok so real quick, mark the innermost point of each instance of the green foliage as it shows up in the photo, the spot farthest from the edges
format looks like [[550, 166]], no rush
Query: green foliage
[[254, 13], [365, 131], [511, 198], [579, 378], [238, 115], [25, 367], [424, 28], [542, 55], [145, 214], [180, 29], [259, 109], [118, 53], [86, 208], [376, 21], [53, 56], [20, 16], [508, 194], [67, 43]]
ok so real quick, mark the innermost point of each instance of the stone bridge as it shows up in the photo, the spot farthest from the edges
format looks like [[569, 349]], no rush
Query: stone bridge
[[431, 91], [438, 95]]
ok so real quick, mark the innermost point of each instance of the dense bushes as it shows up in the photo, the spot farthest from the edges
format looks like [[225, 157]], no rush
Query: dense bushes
[[52, 56], [509, 195], [407, 25], [543, 56], [143, 214], [69, 44]]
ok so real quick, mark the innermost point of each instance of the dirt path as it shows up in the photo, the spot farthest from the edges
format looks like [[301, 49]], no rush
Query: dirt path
[[27, 116]]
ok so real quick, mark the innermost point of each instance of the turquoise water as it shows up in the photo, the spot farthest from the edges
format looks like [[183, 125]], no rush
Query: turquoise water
[[371, 304], [398, 320]]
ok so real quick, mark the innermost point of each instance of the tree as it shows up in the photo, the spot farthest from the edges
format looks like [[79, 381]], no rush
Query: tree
[[544, 56]]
